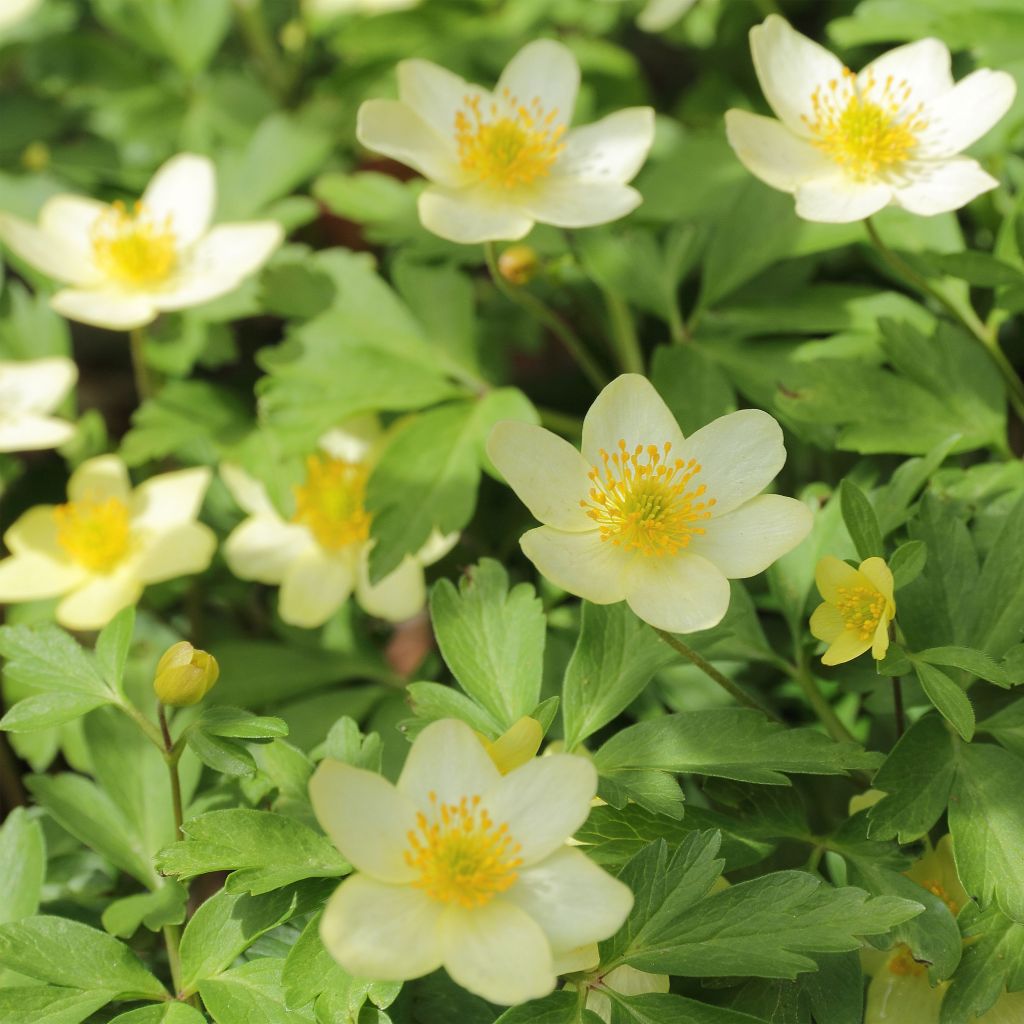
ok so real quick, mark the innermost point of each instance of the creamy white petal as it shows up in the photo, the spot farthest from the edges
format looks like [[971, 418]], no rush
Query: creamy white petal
[[437, 546], [941, 186], [572, 899], [580, 563], [367, 819], [315, 586], [839, 199], [570, 203], [263, 547], [46, 252], [747, 540], [924, 65], [115, 310], [543, 803], [497, 952], [547, 473], [105, 476], [99, 599], [37, 385], [398, 596], [35, 530], [184, 190], [168, 499], [628, 409], [31, 576], [448, 760], [680, 594], [436, 94], [582, 958], [70, 220], [31, 432], [470, 216], [384, 932], [789, 66], [248, 492], [181, 550], [393, 128], [967, 111], [771, 152], [354, 440], [659, 15], [610, 150], [544, 70]]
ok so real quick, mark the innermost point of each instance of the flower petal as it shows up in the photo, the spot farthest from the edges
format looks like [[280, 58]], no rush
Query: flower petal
[[50, 254], [184, 190], [628, 981], [263, 547], [69, 220], [393, 128], [98, 600], [249, 493], [547, 473], [879, 575], [182, 550], [681, 594], [543, 803], [924, 65], [31, 576], [827, 623], [899, 997], [580, 563], [497, 952], [841, 200], [544, 70], [437, 546], [115, 310], [967, 111], [941, 186], [435, 94], [880, 641], [30, 432], [470, 216], [572, 899], [582, 958], [398, 596], [750, 538], [169, 499], [105, 476], [39, 385], [771, 152], [384, 932], [830, 574], [366, 818], [570, 203], [449, 761], [847, 646], [35, 530], [628, 409], [610, 150], [315, 586]]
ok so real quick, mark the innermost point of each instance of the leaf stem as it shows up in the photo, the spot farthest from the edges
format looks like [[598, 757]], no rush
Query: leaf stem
[[253, 26], [554, 323], [622, 331], [821, 707], [143, 378]]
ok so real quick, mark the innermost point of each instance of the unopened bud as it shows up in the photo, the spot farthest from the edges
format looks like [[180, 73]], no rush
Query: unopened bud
[[184, 675], [35, 156], [517, 745], [518, 264]]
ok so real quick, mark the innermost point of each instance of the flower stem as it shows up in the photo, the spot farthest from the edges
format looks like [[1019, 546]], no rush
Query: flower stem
[[536, 308], [143, 380], [822, 708], [711, 672], [171, 756], [623, 333], [261, 45], [985, 336]]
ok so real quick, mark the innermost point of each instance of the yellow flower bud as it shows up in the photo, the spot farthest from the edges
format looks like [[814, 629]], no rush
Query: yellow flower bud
[[517, 745], [518, 264], [184, 675], [35, 156]]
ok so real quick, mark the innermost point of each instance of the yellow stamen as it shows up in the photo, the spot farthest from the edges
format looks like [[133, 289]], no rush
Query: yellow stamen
[[330, 502], [511, 143], [937, 890], [134, 248], [641, 502], [903, 963], [867, 128], [861, 608], [462, 856], [96, 534]]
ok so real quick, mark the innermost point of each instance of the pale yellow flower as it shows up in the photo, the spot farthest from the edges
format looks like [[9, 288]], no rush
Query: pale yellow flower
[[857, 608], [29, 393], [14, 11]]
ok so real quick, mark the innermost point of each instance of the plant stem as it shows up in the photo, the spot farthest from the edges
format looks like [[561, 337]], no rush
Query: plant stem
[[623, 333], [897, 706], [261, 45], [143, 379], [711, 672], [536, 308], [172, 940], [822, 708], [171, 756], [563, 423], [985, 336], [677, 326]]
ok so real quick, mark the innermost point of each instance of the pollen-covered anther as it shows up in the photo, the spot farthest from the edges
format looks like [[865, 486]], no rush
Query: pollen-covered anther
[[330, 502], [641, 499], [94, 532], [861, 608], [135, 248]]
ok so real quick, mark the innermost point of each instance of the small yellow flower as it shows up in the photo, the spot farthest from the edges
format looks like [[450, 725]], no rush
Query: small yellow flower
[[936, 872], [518, 264], [184, 675], [857, 609]]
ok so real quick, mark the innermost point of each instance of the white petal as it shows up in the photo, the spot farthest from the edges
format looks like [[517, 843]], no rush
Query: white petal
[[572, 899], [943, 186], [315, 586], [38, 385], [397, 597], [355, 440], [771, 152], [384, 932], [105, 476], [924, 66], [393, 128], [680, 594], [71, 220], [840, 200], [582, 958], [97, 601], [581, 563], [544, 70], [569, 203], [45, 252], [35, 531], [31, 432], [115, 310], [631, 410], [31, 576], [170, 498], [967, 111], [470, 216], [437, 546], [548, 475], [543, 803], [185, 190], [659, 15], [789, 66], [248, 492], [612, 149], [182, 550], [449, 761], [367, 819], [750, 538], [263, 547], [436, 94], [497, 952], [628, 981]]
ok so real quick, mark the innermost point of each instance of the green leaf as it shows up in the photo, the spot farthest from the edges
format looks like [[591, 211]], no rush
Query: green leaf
[[45, 710], [164, 906], [861, 521], [1007, 727], [664, 1008], [48, 659], [976, 268], [236, 723], [431, 701], [907, 562], [693, 386], [22, 865], [557, 1008], [64, 952], [41, 1004], [998, 600], [346, 743], [615, 656], [977, 663], [492, 638], [250, 994], [264, 851], [112, 646], [949, 698], [222, 755], [165, 1013]]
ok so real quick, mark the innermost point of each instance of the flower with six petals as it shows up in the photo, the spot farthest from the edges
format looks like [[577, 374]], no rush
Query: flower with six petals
[[856, 610]]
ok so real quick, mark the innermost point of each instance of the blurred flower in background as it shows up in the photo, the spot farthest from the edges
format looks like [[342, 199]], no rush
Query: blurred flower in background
[[14, 11], [29, 392]]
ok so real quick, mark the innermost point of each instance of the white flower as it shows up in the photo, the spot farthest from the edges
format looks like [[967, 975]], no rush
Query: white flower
[[659, 15], [321, 554], [646, 517], [126, 266], [108, 542], [500, 161], [848, 145], [329, 8], [29, 392], [14, 11], [462, 867], [627, 981]]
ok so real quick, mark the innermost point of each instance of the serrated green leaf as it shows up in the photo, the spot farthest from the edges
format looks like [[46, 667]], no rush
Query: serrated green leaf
[[346, 743], [46, 658], [557, 1008], [45, 710], [665, 1008]]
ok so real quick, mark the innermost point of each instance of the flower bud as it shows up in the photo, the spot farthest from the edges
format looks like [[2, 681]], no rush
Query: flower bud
[[517, 745], [518, 264], [184, 675]]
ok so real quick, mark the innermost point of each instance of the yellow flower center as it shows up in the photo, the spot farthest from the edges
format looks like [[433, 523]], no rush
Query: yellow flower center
[[330, 502], [861, 608], [937, 890], [96, 534], [510, 144], [134, 248], [642, 500], [866, 129], [903, 963], [461, 854]]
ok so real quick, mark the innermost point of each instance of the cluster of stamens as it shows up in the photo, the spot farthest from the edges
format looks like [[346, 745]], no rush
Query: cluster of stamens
[[861, 608], [330, 502], [641, 499], [867, 128], [937, 890], [95, 533], [461, 855], [511, 143], [134, 248]]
